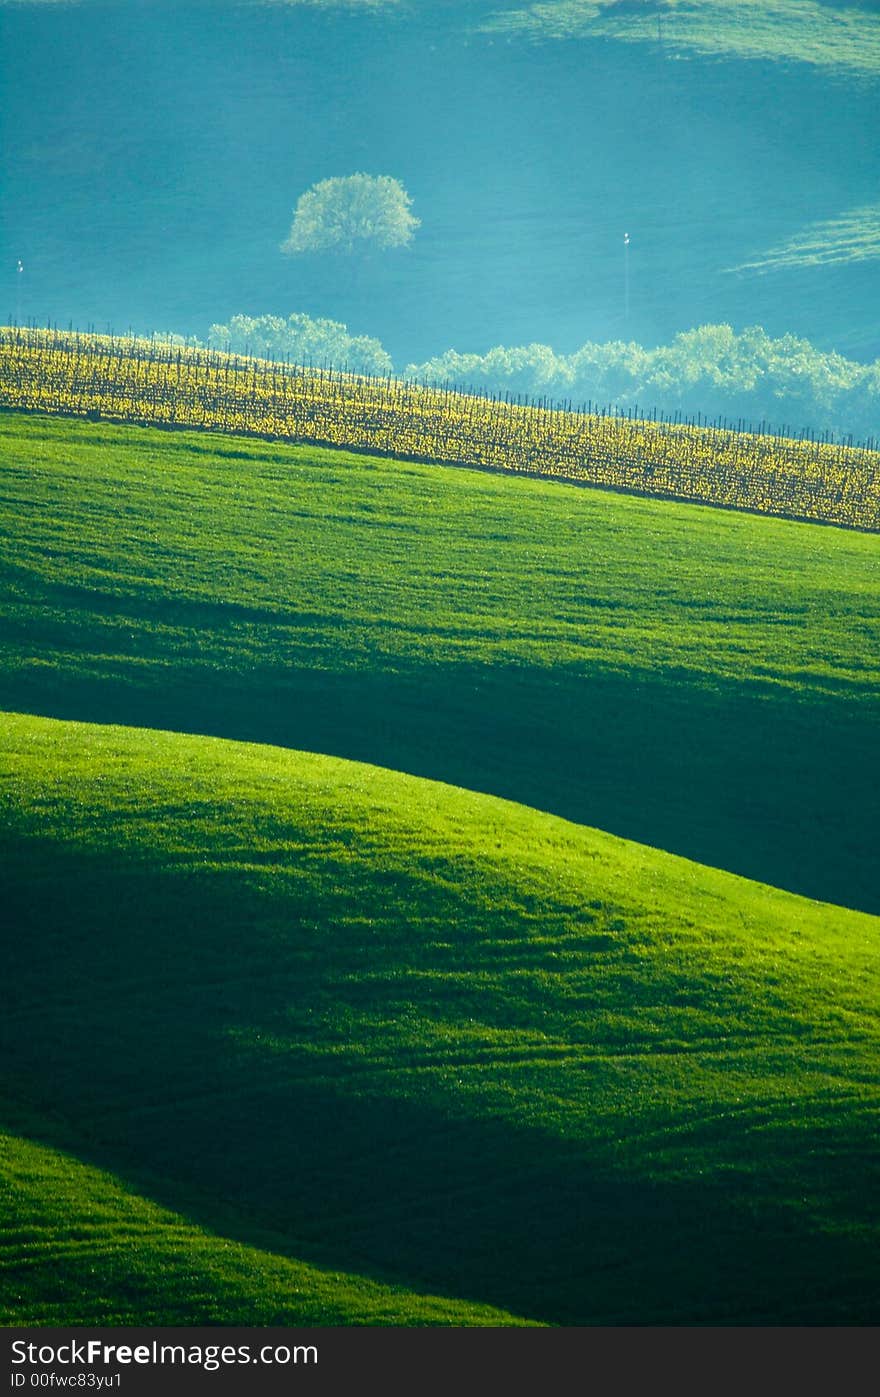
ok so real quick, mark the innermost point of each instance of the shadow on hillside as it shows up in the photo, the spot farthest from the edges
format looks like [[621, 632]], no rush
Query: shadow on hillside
[[149, 1031], [777, 788]]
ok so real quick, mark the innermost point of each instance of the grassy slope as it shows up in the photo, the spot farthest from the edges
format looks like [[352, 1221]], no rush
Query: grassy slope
[[512, 1059], [79, 1248], [697, 680]]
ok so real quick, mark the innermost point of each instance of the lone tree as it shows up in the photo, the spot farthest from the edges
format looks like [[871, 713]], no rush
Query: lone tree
[[346, 212]]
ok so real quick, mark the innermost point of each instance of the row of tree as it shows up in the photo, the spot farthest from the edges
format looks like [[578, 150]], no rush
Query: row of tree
[[711, 370]]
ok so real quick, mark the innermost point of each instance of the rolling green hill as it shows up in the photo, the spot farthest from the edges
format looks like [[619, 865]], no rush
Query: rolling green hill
[[293, 1034], [397, 1029], [433, 895], [695, 680]]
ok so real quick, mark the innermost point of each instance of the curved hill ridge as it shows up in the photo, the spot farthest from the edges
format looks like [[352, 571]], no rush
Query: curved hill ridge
[[436, 1038], [78, 1248], [693, 679]]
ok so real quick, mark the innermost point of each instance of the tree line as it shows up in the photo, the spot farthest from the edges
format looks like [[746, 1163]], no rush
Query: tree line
[[711, 372]]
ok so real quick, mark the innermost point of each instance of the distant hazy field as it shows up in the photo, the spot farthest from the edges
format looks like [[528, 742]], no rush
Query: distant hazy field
[[531, 137]]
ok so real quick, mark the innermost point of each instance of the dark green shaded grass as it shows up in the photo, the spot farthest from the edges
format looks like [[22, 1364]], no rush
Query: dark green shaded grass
[[78, 1248], [429, 1037], [700, 681]]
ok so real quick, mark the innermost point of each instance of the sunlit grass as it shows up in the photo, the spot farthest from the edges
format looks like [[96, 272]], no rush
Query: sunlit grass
[[432, 1037], [307, 1040], [827, 36]]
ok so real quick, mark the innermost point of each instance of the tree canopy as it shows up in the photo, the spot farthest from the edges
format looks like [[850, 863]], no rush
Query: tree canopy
[[342, 213], [304, 340], [710, 369]]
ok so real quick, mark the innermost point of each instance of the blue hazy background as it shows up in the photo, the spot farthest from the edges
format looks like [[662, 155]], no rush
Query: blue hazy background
[[153, 154]]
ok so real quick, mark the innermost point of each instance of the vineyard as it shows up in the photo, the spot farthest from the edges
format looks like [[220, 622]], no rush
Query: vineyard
[[134, 380]]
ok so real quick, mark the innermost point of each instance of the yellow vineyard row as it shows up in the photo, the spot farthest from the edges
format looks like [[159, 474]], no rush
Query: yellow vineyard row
[[139, 381]]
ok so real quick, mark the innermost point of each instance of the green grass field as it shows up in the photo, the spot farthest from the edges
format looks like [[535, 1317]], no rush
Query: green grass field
[[313, 1039], [509, 1059]]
